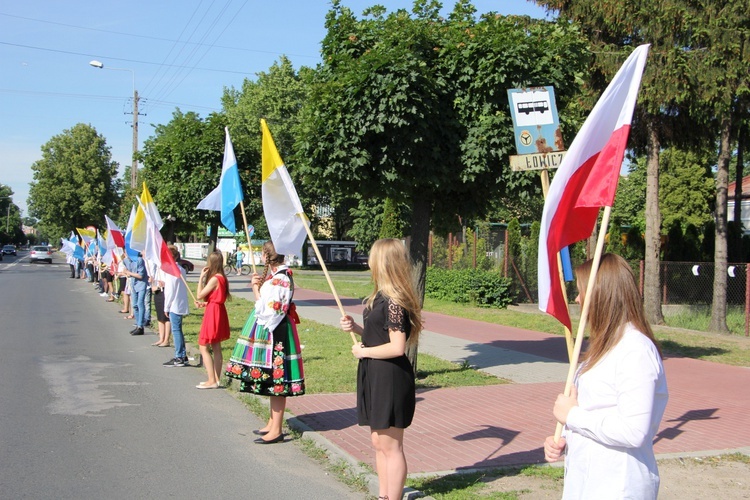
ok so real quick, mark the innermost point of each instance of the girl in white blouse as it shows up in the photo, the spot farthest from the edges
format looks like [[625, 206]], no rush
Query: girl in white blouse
[[619, 394]]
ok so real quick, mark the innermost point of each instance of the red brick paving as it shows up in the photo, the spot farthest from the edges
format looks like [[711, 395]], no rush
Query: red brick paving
[[473, 427]]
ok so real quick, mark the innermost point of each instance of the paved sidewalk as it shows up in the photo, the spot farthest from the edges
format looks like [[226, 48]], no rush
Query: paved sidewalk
[[475, 427]]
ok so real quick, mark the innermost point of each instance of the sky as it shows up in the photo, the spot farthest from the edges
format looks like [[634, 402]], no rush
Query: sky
[[176, 54]]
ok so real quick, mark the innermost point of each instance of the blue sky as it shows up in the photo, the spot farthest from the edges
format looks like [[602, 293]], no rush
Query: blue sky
[[180, 54]]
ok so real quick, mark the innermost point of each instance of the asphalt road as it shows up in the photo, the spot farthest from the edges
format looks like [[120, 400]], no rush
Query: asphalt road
[[88, 411]]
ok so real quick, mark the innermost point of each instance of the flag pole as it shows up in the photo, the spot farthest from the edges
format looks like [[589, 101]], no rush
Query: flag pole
[[249, 241], [585, 310], [325, 270], [188, 288], [568, 333]]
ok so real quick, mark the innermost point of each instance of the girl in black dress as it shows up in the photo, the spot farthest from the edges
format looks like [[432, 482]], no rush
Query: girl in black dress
[[385, 377]]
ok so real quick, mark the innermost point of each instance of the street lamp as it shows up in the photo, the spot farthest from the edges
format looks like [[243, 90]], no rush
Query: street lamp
[[134, 168]]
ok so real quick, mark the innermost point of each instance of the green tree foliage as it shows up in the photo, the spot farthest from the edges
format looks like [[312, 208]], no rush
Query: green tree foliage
[[686, 185], [181, 165], [10, 228], [391, 222], [74, 183], [414, 107]]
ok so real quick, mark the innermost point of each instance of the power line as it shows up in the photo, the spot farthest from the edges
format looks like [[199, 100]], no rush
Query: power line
[[99, 56], [110, 32]]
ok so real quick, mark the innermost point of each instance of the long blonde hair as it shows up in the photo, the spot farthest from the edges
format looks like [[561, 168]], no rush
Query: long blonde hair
[[615, 301], [393, 276], [215, 265]]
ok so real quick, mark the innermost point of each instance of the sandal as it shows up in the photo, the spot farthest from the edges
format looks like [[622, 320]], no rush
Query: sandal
[[129, 317], [110, 300], [123, 312]]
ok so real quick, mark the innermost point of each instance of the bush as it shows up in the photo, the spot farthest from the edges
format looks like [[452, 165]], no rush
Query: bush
[[474, 286]]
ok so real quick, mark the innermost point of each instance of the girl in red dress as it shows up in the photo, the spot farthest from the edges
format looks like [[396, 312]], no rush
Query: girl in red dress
[[213, 291]]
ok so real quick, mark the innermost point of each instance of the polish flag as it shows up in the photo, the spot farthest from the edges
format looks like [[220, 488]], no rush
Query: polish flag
[[115, 237], [587, 179]]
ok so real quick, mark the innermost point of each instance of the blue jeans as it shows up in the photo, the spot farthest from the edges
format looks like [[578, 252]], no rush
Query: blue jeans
[[179, 339], [139, 306]]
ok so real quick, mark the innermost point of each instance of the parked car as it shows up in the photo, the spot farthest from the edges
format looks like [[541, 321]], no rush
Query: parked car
[[189, 266], [9, 250], [40, 253]]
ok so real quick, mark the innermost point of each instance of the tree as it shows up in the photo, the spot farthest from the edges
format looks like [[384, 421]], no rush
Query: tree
[[276, 95], [414, 108], [661, 118], [10, 229], [74, 183], [181, 165], [719, 35], [391, 224]]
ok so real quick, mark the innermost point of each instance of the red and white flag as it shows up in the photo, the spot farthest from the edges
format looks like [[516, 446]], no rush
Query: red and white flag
[[115, 237], [587, 179], [155, 248]]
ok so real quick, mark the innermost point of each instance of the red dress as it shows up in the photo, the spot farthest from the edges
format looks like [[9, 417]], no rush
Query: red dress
[[215, 326]]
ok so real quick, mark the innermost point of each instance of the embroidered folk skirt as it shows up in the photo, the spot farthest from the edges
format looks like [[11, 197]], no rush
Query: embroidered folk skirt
[[268, 363]]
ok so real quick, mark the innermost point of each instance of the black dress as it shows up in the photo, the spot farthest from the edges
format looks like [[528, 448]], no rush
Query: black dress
[[385, 387]]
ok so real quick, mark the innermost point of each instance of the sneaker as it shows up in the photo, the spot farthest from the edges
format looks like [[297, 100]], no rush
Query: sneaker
[[103, 294], [174, 362]]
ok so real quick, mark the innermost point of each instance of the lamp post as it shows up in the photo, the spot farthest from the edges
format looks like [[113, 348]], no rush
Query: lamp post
[[134, 167]]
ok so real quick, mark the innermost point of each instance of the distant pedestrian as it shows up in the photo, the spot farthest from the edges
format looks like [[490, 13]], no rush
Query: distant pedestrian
[[213, 291], [267, 358], [239, 256], [386, 397], [619, 394]]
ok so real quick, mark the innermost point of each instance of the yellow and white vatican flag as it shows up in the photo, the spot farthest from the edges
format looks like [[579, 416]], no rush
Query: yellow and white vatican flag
[[284, 214]]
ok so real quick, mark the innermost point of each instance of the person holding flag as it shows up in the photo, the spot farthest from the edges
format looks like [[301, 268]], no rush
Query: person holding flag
[[619, 397], [137, 271], [386, 397], [267, 358], [212, 292], [612, 403]]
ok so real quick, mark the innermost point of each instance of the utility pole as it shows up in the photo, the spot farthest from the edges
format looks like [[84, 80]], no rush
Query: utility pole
[[134, 168]]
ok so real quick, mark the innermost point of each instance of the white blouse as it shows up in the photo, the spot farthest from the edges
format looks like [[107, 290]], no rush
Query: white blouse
[[275, 297], [175, 294], [610, 434]]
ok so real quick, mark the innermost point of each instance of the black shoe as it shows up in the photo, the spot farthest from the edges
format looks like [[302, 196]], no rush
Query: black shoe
[[175, 362], [137, 331], [260, 433], [147, 323], [278, 439]]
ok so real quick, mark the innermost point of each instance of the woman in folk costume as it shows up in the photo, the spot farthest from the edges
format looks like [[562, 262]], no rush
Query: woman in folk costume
[[267, 358]]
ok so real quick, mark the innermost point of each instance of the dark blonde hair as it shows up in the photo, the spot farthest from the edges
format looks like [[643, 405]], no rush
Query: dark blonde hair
[[271, 257], [615, 302], [215, 265], [393, 276], [174, 251]]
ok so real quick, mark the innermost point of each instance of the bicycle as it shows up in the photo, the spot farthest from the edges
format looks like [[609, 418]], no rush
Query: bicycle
[[231, 266]]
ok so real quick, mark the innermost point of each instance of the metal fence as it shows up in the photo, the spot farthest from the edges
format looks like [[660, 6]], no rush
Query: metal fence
[[681, 283]]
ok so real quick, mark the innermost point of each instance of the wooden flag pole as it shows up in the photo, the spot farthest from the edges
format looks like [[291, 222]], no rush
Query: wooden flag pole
[[188, 288], [568, 333], [585, 311], [249, 241], [325, 270]]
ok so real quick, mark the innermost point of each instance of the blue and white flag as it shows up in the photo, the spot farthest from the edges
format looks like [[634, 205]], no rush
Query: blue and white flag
[[228, 194], [131, 253]]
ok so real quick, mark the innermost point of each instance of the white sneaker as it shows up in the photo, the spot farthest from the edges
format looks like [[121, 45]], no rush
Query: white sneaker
[[103, 294]]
